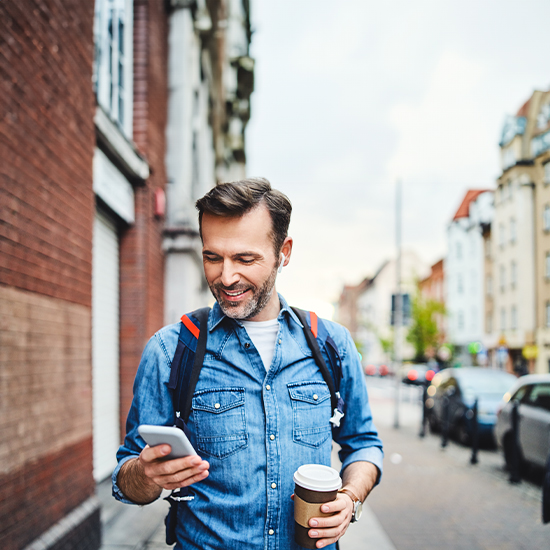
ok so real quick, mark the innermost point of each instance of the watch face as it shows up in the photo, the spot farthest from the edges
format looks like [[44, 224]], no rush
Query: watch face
[[358, 510]]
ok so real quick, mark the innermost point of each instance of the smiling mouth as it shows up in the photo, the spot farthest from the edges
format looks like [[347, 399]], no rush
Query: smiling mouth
[[234, 294]]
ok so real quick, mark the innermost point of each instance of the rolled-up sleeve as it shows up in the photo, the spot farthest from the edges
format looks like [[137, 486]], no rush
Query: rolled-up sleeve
[[152, 400], [357, 436]]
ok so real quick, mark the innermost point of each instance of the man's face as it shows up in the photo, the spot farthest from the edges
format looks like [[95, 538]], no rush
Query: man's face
[[240, 264]]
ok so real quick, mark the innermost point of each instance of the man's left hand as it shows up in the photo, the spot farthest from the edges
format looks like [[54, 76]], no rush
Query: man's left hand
[[330, 529]]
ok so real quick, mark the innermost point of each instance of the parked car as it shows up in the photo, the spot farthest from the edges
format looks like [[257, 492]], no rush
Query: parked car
[[417, 374], [462, 386], [532, 393]]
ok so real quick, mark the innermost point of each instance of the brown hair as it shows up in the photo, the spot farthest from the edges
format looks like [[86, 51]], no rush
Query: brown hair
[[234, 199]]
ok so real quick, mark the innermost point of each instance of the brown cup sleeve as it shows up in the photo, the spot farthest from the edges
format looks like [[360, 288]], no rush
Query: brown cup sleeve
[[304, 511]]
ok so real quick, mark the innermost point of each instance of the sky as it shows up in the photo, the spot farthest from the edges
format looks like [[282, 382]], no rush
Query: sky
[[352, 96]]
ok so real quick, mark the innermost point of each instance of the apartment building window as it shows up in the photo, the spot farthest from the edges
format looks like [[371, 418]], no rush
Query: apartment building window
[[513, 274], [459, 284], [547, 174], [548, 313], [502, 235], [502, 319], [514, 318], [546, 217], [458, 251], [489, 323], [460, 320], [502, 278], [489, 285], [113, 73], [547, 266], [513, 231]]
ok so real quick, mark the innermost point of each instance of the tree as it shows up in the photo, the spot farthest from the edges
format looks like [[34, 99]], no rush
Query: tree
[[423, 331]]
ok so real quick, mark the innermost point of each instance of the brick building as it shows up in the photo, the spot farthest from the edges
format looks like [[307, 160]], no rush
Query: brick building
[[83, 147]]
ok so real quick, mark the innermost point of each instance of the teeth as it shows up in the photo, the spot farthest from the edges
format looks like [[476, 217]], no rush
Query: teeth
[[234, 293]]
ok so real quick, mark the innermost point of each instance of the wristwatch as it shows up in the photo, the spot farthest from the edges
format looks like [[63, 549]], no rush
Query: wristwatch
[[357, 505]]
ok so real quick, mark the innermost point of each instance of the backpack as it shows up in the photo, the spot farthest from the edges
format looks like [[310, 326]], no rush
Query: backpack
[[187, 363]]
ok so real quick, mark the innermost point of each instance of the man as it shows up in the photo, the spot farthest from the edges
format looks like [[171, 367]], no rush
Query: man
[[261, 407]]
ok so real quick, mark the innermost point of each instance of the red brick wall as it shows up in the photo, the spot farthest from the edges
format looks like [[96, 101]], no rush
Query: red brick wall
[[47, 141], [36, 496], [46, 147], [142, 260]]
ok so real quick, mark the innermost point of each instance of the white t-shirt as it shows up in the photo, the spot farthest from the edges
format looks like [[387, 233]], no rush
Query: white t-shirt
[[263, 335]]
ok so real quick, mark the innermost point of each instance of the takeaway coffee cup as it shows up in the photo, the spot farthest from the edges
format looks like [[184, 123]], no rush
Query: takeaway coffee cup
[[314, 484]]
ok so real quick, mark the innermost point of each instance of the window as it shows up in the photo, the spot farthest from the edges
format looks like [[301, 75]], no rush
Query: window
[[548, 313], [513, 231], [502, 278], [546, 217], [488, 248], [547, 173], [502, 235], [460, 284], [513, 274], [458, 251], [502, 319], [547, 266], [514, 318], [460, 320], [489, 323], [489, 285], [113, 74]]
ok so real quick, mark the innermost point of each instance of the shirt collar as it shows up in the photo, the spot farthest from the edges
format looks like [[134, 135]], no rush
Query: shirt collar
[[217, 315]]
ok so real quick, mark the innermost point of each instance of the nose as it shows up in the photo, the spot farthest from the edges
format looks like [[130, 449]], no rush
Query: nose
[[229, 275]]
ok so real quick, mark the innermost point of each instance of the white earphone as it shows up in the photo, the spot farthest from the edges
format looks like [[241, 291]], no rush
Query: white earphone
[[281, 264]]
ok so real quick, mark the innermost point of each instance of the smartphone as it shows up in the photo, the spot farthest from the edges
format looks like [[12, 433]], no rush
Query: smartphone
[[176, 438]]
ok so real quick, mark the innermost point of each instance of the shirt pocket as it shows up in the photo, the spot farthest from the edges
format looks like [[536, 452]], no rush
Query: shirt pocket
[[311, 412], [220, 422]]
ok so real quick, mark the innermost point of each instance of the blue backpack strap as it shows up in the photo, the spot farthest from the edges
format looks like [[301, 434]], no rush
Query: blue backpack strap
[[187, 362], [317, 336], [184, 374]]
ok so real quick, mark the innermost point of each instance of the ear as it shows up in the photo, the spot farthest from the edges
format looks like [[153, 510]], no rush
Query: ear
[[286, 249]]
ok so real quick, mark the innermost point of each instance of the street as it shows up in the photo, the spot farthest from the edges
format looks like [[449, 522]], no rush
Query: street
[[432, 498], [429, 498]]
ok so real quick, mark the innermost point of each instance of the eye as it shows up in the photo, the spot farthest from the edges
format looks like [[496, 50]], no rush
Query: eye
[[211, 259], [246, 261]]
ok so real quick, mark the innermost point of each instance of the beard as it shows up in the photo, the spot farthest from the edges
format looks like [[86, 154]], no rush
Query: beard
[[250, 307]]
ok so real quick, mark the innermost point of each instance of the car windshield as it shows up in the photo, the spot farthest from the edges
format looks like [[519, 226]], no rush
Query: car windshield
[[485, 384]]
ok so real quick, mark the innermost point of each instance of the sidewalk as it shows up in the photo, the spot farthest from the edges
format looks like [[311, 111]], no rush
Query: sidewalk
[[433, 498]]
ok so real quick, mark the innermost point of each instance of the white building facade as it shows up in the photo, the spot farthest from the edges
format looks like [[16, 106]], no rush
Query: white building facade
[[211, 78], [464, 270]]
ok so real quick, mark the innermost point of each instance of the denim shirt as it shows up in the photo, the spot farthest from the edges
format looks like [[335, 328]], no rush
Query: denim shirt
[[254, 428]]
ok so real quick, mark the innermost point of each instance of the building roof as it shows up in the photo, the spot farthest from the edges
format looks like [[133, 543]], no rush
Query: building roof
[[524, 109], [464, 208]]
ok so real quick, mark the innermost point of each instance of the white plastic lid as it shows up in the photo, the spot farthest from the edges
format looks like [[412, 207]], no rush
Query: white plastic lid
[[317, 477]]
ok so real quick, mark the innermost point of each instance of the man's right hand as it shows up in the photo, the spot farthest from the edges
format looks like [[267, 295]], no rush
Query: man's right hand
[[143, 478], [175, 473]]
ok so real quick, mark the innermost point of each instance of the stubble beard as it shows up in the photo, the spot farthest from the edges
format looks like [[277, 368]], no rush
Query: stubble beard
[[253, 306]]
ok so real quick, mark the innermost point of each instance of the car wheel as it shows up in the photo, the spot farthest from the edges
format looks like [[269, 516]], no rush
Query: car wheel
[[462, 433]]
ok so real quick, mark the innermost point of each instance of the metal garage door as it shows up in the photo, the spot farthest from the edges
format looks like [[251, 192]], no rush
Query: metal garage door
[[105, 345]]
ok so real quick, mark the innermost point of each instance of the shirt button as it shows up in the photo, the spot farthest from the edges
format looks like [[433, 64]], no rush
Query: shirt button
[[315, 396], [274, 486], [271, 532], [268, 387], [247, 345], [272, 437], [280, 341], [217, 406]]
